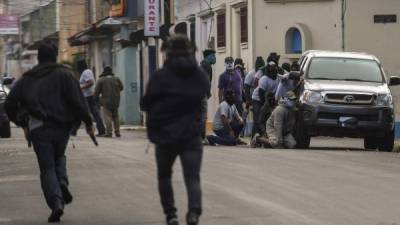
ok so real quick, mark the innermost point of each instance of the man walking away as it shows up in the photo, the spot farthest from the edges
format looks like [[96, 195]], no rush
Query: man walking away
[[109, 88], [281, 124], [227, 123], [87, 83], [173, 102], [50, 99]]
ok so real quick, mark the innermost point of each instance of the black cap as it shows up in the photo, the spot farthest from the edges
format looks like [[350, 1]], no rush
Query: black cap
[[229, 60], [239, 61], [47, 52]]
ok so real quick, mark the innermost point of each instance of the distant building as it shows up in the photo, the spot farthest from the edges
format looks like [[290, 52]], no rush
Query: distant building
[[251, 28]]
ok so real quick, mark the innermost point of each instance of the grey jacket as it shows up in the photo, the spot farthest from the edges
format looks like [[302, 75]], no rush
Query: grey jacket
[[108, 88], [281, 122]]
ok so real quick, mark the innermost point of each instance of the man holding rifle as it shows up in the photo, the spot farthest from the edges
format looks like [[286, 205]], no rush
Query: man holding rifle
[[47, 101]]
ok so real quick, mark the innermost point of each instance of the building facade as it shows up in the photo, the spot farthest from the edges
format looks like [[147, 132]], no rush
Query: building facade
[[251, 28]]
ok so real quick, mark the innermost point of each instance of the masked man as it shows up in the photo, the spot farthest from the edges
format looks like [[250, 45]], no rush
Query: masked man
[[227, 123], [231, 80], [281, 124]]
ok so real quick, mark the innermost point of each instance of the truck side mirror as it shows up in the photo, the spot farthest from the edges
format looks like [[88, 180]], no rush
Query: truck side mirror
[[394, 80]]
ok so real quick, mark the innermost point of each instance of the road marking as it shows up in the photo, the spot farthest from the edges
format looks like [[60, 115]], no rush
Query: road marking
[[18, 178]]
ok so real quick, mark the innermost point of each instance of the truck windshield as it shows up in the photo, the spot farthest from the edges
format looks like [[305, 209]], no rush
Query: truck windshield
[[345, 69]]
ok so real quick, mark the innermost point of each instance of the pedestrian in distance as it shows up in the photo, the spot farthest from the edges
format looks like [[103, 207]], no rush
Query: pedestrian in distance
[[227, 123], [281, 124], [231, 79], [206, 65], [108, 90], [48, 101], [173, 102], [88, 84], [208, 61]]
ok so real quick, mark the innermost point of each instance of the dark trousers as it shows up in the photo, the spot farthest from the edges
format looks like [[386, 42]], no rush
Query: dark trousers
[[94, 110], [191, 154], [49, 145], [239, 106], [223, 136], [256, 117]]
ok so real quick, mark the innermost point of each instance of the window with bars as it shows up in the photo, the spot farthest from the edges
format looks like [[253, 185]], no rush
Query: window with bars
[[243, 25], [221, 30]]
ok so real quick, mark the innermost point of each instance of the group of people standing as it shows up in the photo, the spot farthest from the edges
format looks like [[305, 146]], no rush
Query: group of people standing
[[105, 91], [268, 91]]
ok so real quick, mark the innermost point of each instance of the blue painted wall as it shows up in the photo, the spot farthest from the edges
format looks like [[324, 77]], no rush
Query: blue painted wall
[[126, 69]]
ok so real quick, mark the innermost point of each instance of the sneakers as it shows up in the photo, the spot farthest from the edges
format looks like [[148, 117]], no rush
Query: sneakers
[[172, 220], [56, 213], [118, 135], [207, 141], [67, 196], [240, 142], [254, 143], [192, 219]]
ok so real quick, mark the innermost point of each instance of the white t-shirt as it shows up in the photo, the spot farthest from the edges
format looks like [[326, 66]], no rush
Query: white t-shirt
[[249, 78], [86, 76], [224, 109], [267, 84]]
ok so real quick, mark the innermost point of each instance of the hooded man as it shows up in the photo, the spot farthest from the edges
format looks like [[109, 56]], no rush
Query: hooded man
[[173, 102], [263, 96], [290, 82], [281, 124], [249, 80], [108, 89], [231, 80], [87, 83], [208, 61], [48, 101], [227, 123]]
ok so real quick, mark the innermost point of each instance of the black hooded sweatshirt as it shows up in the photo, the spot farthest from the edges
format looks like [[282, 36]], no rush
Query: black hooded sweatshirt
[[173, 101], [48, 92]]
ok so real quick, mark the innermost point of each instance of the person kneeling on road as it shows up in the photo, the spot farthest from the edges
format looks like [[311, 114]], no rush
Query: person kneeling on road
[[227, 123], [281, 124]]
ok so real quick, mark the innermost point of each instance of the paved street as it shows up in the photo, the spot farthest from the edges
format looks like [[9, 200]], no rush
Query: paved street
[[115, 184]]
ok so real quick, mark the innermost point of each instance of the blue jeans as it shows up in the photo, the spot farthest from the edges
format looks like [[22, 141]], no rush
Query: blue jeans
[[223, 136]]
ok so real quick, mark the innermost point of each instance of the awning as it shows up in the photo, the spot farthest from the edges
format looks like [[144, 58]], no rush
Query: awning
[[99, 30], [52, 37]]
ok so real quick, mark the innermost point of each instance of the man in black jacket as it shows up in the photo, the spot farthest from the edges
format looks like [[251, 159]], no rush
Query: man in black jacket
[[47, 101], [173, 102]]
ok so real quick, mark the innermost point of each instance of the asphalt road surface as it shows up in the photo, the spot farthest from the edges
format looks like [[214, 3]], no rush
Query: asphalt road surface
[[334, 183]]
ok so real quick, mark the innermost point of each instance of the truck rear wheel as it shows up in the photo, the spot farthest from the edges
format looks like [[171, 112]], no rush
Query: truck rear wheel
[[386, 144]]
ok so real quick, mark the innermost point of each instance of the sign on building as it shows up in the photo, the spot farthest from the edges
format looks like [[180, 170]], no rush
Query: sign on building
[[151, 18], [9, 24]]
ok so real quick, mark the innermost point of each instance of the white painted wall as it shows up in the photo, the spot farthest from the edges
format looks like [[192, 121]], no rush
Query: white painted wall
[[382, 40]]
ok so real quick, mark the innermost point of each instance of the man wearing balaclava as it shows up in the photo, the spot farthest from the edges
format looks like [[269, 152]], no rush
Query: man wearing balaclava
[[208, 61], [48, 101], [281, 124], [262, 98], [227, 123], [249, 79], [231, 80], [173, 102]]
